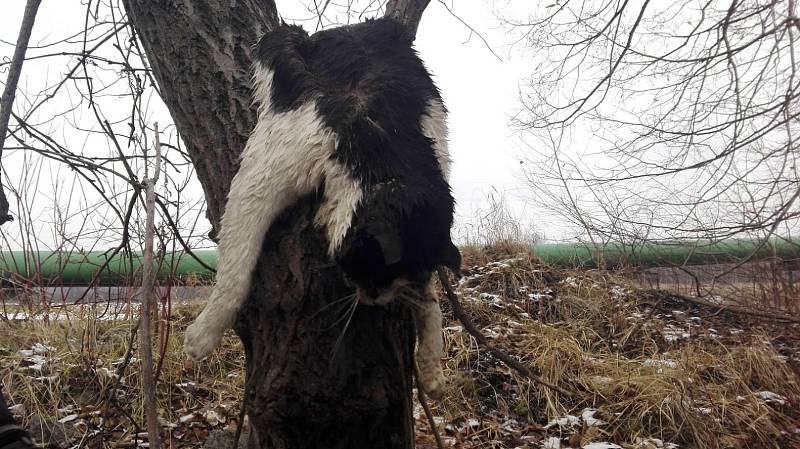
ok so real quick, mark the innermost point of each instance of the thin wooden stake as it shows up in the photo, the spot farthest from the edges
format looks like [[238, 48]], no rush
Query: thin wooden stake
[[146, 307]]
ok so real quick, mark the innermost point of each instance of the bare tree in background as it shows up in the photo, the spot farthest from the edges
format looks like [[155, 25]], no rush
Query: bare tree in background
[[662, 121], [85, 132], [665, 120]]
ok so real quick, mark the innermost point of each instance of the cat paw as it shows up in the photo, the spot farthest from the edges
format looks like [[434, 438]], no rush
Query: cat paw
[[433, 381], [201, 339]]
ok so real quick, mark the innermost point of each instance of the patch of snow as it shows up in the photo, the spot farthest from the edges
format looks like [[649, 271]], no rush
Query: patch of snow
[[565, 421], [661, 364], [68, 418], [510, 425], [602, 380], [570, 282], [587, 415], [769, 396], [538, 296], [106, 374], [551, 443], [653, 443], [449, 441], [121, 360], [674, 333], [601, 445], [213, 418], [493, 332], [37, 362], [47, 379], [494, 300], [618, 292], [36, 349], [187, 418], [40, 348], [472, 422], [503, 263]]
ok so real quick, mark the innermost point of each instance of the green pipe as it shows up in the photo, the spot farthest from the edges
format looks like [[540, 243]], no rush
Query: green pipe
[[614, 255], [79, 268]]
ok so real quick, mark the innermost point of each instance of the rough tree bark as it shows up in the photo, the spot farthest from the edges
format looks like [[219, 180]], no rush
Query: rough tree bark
[[299, 393]]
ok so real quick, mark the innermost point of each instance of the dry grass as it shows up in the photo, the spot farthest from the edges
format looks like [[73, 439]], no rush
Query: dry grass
[[648, 374], [78, 373], [649, 366]]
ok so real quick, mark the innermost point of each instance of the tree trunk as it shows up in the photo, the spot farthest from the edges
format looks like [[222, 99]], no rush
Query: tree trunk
[[300, 393]]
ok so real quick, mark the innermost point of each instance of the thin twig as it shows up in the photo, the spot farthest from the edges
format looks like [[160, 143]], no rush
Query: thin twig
[[423, 400], [238, 434], [242, 412], [473, 330]]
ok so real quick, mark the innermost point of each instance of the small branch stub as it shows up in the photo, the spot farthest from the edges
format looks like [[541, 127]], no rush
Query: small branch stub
[[407, 12]]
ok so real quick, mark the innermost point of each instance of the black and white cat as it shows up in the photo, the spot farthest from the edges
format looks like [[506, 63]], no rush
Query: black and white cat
[[353, 112]]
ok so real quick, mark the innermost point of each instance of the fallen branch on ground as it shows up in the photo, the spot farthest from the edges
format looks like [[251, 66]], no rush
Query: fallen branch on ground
[[473, 330], [774, 316]]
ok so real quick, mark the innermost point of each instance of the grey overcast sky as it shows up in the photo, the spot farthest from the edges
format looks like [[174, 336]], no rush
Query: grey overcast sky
[[480, 90]]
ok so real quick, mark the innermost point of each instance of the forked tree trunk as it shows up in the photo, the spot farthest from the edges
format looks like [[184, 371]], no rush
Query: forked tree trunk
[[300, 393]]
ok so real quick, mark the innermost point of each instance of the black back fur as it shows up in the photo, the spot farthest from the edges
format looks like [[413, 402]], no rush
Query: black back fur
[[372, 89]]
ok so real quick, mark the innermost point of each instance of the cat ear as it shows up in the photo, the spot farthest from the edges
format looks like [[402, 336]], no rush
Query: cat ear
[[452, 258]]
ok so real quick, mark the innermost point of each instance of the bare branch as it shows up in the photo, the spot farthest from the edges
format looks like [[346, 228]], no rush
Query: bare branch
[[7, 101]]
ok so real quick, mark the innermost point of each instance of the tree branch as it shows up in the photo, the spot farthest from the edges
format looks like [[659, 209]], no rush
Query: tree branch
[[9, 91], [407, 12]]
